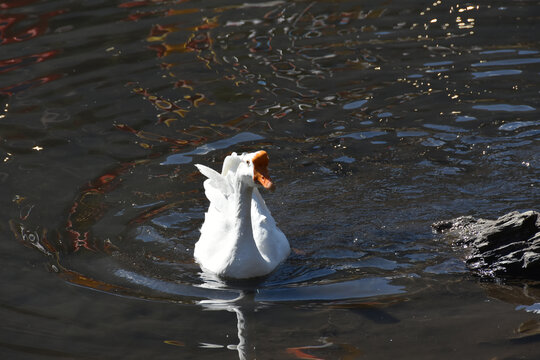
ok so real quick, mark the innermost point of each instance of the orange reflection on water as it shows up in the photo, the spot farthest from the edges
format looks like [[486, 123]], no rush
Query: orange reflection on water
[[13, 29], [132, 4], [329, 349], [161, 103], [158, 32], [13, 89], [9, 33], [199, 40], [141, 3], [79, 279], [137, 15], [15, 63], [39, 241], [299, 353], [15, 3], [175, 143]]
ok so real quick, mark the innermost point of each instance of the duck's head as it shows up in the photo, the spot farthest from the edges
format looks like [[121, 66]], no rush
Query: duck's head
[[253, 169]]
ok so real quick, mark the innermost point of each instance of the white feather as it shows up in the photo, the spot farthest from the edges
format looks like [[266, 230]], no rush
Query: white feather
[[239, 236], [216, 180]]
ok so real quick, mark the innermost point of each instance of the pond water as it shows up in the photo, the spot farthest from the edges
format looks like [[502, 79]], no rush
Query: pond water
[[380, 118]]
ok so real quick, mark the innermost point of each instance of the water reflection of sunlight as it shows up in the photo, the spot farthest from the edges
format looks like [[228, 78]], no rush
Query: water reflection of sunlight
[[185, 158]]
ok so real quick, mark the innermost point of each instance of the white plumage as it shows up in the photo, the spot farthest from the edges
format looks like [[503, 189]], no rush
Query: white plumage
[[239, 237]]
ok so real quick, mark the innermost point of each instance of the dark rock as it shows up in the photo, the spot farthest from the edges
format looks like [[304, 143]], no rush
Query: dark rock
[[506, 247]]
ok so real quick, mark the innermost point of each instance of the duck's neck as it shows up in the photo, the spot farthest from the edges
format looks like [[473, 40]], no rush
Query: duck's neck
[[242, 211]]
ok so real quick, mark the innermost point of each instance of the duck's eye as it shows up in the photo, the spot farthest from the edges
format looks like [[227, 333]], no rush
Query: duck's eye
[[248, 162]]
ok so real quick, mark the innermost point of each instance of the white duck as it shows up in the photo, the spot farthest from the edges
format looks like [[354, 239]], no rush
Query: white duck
[[239, 237]]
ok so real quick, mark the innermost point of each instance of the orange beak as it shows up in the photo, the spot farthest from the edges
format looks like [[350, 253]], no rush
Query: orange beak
[[260, 173]]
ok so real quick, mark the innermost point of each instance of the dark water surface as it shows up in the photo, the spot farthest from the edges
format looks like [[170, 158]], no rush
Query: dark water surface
[[380, 118]]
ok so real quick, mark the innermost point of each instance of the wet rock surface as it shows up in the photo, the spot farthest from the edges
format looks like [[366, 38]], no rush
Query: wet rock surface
[[506, 247]]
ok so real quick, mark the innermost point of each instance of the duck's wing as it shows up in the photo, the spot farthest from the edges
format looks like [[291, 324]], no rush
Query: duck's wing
[[216, 188], [218, 201], [230, 164], [216, 180]]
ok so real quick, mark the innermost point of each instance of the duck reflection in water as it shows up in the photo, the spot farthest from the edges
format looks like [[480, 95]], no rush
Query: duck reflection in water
[[246, 350]]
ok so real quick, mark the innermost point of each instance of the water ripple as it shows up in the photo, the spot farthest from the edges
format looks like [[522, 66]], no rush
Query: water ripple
[[365, 134], [507, 62], [186, 158], [479, 75], [360, 288], [504, 107], [511, 126], [354, 105]]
